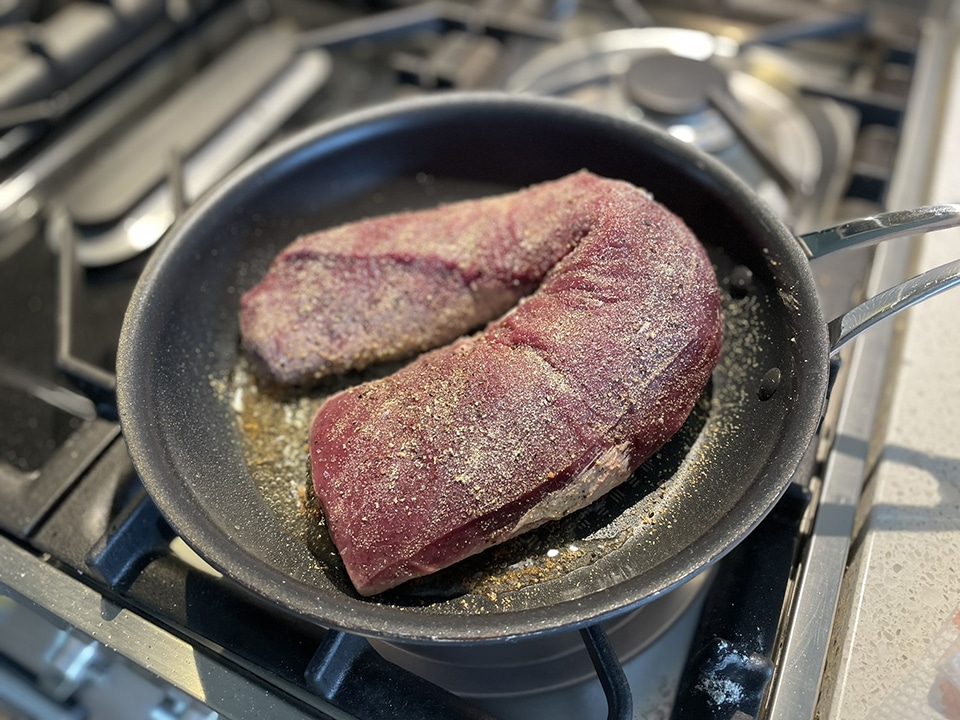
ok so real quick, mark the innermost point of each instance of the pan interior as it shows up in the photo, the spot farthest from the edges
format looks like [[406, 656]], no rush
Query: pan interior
[[227, 461]]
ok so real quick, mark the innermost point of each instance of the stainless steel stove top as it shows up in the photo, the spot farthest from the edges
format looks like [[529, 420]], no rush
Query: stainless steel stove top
[[105, 613]]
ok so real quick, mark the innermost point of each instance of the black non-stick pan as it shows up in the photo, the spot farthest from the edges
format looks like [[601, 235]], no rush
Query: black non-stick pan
[[182, 393]]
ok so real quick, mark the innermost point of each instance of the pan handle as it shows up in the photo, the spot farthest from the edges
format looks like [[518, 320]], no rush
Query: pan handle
[[846, 327], [876, 228]]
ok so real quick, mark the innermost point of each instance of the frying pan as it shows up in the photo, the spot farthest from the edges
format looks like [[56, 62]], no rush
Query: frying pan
[[680, 512]]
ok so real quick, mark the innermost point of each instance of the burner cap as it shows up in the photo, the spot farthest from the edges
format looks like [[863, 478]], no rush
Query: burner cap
[[672, 84]]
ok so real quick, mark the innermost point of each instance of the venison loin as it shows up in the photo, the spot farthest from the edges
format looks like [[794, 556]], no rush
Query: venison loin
[[394, 286], [538, 414]]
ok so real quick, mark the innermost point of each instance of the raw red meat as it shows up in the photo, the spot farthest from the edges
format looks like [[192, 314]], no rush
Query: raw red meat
[[390, 287], [548, 408]]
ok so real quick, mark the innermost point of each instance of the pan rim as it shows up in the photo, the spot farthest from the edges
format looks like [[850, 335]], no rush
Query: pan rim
[[384, 621]]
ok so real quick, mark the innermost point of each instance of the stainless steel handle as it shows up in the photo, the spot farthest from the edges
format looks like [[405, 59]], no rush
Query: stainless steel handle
[[883, 305], [869, 231], [873, 229]]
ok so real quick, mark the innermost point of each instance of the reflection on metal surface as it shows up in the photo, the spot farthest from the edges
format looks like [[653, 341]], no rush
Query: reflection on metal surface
[[50, 673], [877, 228], [246, 132], [886, 304], [583, 61], [782, 147], [21, 696], [31, 184], [49, 392], [205, 677], [874, 229]]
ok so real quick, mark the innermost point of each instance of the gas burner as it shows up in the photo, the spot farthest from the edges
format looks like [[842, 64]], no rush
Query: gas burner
[[597, 70], [676, 92], [704, 90], [672, 84]]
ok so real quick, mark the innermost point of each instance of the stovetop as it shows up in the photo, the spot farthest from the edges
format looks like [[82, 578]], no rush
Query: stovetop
[[83, 546]]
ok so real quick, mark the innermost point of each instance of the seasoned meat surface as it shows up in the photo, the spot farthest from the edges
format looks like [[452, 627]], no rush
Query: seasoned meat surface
[[393, 286], [543, 411]]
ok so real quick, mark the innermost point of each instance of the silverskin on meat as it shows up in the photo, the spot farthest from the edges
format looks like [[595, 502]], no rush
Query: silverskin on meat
[[544, 410]]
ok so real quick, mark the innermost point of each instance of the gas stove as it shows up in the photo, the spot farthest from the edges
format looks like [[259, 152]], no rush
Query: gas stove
[[115, 117]]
